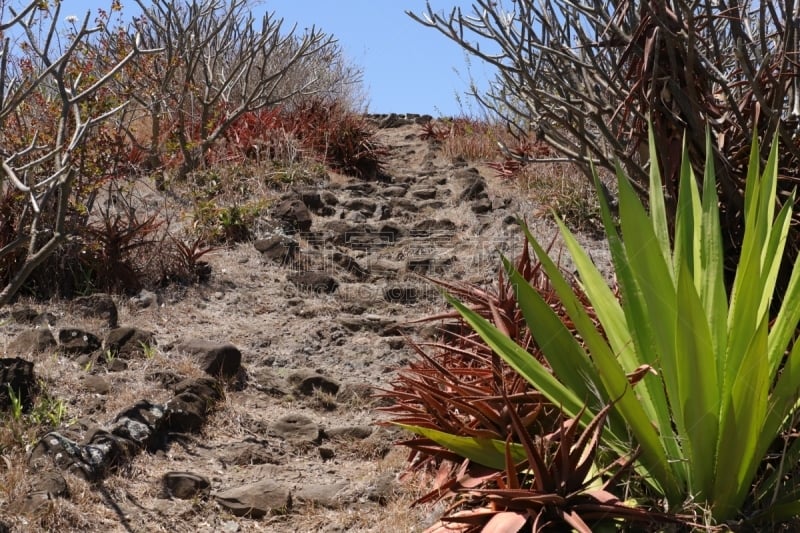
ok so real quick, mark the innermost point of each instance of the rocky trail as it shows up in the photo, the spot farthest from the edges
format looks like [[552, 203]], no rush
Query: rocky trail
[[247, 403]]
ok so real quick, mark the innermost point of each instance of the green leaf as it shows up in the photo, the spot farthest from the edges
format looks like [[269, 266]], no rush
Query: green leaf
[[488, 452]]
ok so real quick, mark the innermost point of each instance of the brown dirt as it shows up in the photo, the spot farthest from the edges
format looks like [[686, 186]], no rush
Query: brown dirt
[[351, 336]]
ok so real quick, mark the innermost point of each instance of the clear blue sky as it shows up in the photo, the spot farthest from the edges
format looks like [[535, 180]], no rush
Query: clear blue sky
[[407, 67]]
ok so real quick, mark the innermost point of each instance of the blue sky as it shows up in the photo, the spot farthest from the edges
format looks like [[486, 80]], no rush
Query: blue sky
[[407, 67]]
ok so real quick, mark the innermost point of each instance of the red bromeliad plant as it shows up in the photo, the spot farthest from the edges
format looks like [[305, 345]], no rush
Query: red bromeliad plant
[[460, 389]]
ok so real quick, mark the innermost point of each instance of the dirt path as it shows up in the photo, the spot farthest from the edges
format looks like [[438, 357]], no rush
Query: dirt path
[[317, 309]]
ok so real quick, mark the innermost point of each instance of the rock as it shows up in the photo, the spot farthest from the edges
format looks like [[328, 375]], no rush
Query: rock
[[185, 485], [255, 500], [382, 489], [308, 381], [145, 299], [349, 432], [311, 198], [474, 187], [264, 380], [294, 214], [140, 423], [98, 305], [364, 206], [426, 193], [75, 341], [207, 388], [328, 198], [96, 384], [482, 206], [405, 205], [326, 454], [394, 191], [44, 487], [31, 341], [249, 453], [429, 226], [279, 249], [349, 264], [128, 342], [214, 359], [316, 282], [17, 374], [295, 428], [186, 412], [330, 496], [400, 294]]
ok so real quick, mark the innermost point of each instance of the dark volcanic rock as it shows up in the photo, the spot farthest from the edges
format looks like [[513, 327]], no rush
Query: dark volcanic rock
[[185, 485], [294, 214], [128, 342], [16, 374], [215, 359], [76, 341], [306, 382]]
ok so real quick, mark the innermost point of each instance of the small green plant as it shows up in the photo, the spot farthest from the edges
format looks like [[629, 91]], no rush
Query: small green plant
[[109, 356], [49, 411], [16, 403], [148, 350]]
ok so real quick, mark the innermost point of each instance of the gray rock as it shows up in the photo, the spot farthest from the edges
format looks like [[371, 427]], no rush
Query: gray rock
[[364, 206], [349, 264], [349, 432], [96, 384], [31, 341], [185, 485], [214, 359], [98, 305], [315, 282], [294, 214], [330, 496], [255, 500], [248, 453], [426, 193], [296, 428], [279, 249]]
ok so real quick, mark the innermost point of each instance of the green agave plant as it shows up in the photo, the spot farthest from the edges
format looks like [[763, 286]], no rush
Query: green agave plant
[[720, 378]]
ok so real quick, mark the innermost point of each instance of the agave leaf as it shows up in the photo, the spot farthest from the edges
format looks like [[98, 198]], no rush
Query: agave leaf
[[698, 388], [711, 278], [487, 452], [522, 361], [505, 522]]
